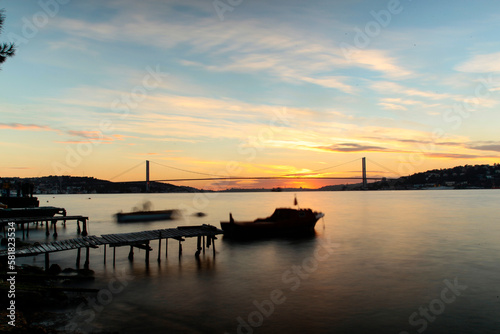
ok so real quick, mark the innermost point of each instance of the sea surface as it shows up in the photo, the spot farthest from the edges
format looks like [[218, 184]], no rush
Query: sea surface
[[381, 262]]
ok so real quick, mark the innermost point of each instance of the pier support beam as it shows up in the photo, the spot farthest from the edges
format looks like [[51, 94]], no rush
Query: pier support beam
[[213, 245], [54, 222], [47, 262], [131, 253], [198, 246], [166, 248], [104, 253], [87, 259], [84, 232], [147, 252], [47, 233], [114, 255], [159, 248], [78, 253]]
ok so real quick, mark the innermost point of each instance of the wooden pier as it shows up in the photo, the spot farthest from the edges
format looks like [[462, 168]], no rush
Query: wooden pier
[[21, 221], [206, 235]]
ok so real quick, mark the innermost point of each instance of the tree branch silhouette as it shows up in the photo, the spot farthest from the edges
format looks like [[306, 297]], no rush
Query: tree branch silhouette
[[6, 49]]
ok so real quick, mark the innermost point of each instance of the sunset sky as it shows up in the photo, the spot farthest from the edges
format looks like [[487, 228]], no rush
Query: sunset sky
[[248, 88]]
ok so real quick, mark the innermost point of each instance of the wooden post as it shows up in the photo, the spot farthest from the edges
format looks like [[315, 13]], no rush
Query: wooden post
[[46, 261], [159, 247], [147, 252], [104, 253], [87, 259], [84, 232], [54, 222], [180, 248], [203, 244], [47, 233], [114, 255], [198, 246], [213, 245], [166, 248], [78, 258], [78, 229], [131, 253]]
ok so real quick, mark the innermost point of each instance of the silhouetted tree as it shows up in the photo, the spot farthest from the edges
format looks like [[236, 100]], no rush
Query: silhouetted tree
[[6, 49]]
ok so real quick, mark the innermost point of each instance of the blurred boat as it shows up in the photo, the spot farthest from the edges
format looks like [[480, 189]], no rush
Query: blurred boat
[[144, 216], [284, 221]]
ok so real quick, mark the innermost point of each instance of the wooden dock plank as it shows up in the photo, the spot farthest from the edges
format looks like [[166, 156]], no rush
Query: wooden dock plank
[[51, 247], [56, 245], [119, 239]]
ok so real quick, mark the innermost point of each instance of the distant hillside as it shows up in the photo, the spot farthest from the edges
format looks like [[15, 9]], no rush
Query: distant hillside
[[91, 185], [460, 177]]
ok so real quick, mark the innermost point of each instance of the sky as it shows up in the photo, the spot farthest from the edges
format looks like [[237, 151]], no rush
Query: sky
[[248, 88]]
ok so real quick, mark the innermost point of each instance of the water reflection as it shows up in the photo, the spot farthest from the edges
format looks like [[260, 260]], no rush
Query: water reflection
[[375, 259]]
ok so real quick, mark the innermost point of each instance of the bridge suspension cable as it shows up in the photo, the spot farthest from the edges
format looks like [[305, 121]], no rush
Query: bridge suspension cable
[[387, 169], [321, 169], [183, 170], [128, 170]]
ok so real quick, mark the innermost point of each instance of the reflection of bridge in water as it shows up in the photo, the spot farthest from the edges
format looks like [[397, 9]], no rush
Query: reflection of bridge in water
[[301, 176]]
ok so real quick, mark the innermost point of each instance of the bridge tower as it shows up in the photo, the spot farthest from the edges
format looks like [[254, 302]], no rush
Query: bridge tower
[[147, 176], [364, 172]]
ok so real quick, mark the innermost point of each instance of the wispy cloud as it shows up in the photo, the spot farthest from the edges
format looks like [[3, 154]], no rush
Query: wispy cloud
[[352, 147], [25, 127], [484, 63], [486, 146], [279, 50]]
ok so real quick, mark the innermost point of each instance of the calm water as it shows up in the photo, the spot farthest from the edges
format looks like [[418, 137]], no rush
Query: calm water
[[381, 262]]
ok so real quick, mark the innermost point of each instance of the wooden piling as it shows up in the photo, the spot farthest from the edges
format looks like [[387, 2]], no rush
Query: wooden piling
[[104, 253], [87, 259], [213, 245], [78, 229], [46, 261], [159, 248], [180, 248], [114, 255], [84, 232], [198, 246], [147, 252], [54, 222], [203, 244], [47, 233], [78, 258], [166, 248], [131, 253]]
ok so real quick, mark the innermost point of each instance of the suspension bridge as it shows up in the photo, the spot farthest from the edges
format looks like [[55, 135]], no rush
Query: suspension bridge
[[311, 175]]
